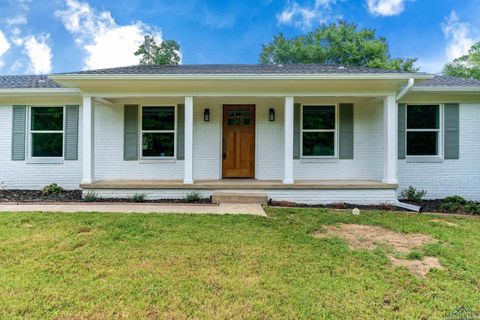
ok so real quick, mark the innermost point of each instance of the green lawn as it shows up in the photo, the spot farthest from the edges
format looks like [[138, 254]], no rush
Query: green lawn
[[98, 266]]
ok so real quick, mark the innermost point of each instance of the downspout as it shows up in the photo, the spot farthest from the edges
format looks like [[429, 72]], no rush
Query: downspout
[[399, 96], [405, 90]]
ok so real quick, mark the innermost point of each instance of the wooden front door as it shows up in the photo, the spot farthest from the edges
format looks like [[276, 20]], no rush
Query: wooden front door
[[238, 150]]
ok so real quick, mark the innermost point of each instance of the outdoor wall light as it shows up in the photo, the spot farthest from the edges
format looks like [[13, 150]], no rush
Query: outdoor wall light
[[271, 114], [206, 115]]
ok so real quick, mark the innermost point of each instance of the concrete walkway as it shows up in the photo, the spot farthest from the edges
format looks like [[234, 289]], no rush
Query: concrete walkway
[[250, 209]]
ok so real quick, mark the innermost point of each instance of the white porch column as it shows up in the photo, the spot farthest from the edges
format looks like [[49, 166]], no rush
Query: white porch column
[[88, 140], [390, 115], [288, 141], [188, 171]]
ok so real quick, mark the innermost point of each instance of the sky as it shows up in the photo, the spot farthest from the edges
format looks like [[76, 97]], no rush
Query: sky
[[50, 36]]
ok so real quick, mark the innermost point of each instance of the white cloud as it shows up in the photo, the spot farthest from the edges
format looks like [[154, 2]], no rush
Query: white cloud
[[106, 43], [4, 46], [303, 16], [39, 53], [218, 20], [458, 35], [386, 7]]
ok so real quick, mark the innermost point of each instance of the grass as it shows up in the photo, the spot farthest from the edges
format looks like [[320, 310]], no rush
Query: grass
[[131, 266]]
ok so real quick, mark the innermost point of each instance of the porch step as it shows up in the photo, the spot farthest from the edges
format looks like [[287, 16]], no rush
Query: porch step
[[240, 197]]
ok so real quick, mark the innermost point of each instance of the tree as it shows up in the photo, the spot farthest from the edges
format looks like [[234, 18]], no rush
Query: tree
[[336, 43], [467, 66], [167, 52]]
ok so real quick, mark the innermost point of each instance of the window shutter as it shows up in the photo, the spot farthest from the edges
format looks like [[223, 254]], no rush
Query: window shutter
[[296, 130], [130, 143], [452, 132], [346, 131], [71, 133], [19, 114], [401, 130], [180, 132]]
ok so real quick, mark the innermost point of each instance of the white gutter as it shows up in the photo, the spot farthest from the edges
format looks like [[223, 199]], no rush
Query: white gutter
[[40, 91], [447, 89], [405, 90], [333, 76]]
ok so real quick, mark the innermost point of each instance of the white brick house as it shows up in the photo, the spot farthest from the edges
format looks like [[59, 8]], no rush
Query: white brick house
[[304, 133]]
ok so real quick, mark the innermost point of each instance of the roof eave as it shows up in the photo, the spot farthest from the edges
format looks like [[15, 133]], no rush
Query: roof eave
[[40, 91], [447, 89], [355, 76]]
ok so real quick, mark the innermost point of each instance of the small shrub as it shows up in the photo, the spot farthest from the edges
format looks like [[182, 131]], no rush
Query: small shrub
[[193, 196], [472, 207], [90, 196], [51, 189], [138, 197], [455, 200], [412, 194], [451, 207]]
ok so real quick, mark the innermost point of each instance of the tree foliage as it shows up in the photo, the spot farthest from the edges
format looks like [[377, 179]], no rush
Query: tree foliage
[[467, 66], [336, 43], [167, 52]]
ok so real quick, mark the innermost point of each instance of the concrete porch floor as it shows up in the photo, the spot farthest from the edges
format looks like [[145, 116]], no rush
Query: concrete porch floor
[[239, 184]]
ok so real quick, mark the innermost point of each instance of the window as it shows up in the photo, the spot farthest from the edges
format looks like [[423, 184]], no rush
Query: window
[[423, 130], [46, 132], [158, 132], [319, 131]]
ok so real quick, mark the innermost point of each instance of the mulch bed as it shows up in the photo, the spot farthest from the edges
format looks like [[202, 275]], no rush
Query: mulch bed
[[386, 207], [72, 196], [36, 196]]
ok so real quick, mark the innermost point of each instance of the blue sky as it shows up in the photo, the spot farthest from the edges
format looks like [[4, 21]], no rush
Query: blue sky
[[44, 36]]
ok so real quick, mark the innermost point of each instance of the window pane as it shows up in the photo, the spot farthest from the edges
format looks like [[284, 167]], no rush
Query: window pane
[[319, 117], [422, 143], [158, 118], [48, 118], [47, 144], [318, 143], [158, 144], [423, 117]]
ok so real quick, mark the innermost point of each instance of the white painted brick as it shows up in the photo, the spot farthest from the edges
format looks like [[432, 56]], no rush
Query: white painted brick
[[450, 177], [23, 175]]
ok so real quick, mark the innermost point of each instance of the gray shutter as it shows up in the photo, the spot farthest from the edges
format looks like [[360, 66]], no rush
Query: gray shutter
[[346, 131], [452, 131], [71, 133], [181, 132], [130, 135], [19, 114], [401, 130], [296, 130]]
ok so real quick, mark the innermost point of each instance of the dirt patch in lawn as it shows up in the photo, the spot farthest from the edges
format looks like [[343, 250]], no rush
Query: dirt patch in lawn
[[448, 223], [418, 267], [369, 237]]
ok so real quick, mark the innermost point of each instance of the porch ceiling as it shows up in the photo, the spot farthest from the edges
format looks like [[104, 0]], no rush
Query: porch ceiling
[[239, 184]]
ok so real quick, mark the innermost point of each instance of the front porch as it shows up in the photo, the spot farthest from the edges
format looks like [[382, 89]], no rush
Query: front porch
[[301, 191], [240, 184]]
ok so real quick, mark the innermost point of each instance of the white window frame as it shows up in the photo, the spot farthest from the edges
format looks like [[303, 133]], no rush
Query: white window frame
[[30, 132], [335, 131], [174, 131], [439, 131]]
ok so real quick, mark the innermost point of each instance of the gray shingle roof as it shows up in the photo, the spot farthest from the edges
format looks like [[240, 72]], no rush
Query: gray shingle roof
[[238, 69], [27, 82], [447, 81]]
